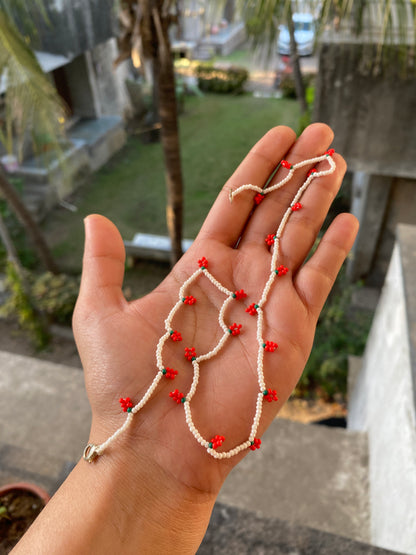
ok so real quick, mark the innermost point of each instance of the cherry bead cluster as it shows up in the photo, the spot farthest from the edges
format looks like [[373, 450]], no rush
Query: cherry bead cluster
[[216, 441], [189, 299], [190, 353], [270, 239], [169, 373], [126, 404], [177, 396], [286, 164], [175, 335], [259, 198], [270, 346], [252, 309], [255, 444], [281, 270], [270, 395], [235, 329]]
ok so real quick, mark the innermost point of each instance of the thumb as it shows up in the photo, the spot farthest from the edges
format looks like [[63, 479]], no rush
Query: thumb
[[103, 265]]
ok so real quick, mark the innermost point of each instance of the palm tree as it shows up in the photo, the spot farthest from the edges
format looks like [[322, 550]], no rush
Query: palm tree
[[145, 25], [385, 22], [30, 104], [262, 24]]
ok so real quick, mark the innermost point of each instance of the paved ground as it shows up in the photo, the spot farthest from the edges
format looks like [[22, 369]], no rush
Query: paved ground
[[303, 473]]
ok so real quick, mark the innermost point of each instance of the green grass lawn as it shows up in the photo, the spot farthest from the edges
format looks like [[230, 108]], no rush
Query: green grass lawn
[[216, 133]]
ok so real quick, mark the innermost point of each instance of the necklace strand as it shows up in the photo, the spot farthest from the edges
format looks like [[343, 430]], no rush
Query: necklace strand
[[255, 309]]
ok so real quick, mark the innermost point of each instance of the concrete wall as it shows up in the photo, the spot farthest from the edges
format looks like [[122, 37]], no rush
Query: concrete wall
[[97, 88], [380, 203], [372, 113], [383, 403], [110, 81], [76, 26]]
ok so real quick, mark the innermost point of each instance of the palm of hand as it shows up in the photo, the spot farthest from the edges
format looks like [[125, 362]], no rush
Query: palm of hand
[[117, 340]]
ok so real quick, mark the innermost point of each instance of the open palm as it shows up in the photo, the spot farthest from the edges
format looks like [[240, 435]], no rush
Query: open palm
[[117, 340]]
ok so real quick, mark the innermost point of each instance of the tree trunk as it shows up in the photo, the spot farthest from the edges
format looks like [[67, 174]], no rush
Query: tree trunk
[[170, 134], [31, 227], [297, 73], [229, 11], [10, 248]]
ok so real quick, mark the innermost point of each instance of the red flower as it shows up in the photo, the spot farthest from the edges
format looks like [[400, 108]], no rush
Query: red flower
[[330, 152], [175, 335], [240, 294], [270, 346], [252, 309], [235, 329], [203, 262], [297, 206], [259, 198], [270, 395], [216, 441], [255, 444], [286, 164], [311, 171], [270, 239], [169, 373], [281, 270], [190, 353], [126, 404], [189, 299], [177, 396]]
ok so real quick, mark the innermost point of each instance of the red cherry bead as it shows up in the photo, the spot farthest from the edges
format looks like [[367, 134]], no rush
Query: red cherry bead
[[190, 353], [255, 444], [252, 309], [203, 262], [270, 346], [235, 329], [269, 239], [177, 396], [175, 335]]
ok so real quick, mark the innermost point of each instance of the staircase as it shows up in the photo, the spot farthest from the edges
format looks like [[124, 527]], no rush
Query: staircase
[[305, 478]]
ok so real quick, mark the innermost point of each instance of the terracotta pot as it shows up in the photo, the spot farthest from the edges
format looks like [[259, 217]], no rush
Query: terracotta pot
[[26, 486]]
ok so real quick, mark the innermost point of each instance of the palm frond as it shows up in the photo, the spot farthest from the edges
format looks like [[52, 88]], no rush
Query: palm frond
[[25, 15], [31, 102]]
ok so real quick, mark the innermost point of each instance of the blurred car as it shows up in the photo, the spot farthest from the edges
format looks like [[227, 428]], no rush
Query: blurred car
[[304, 35]]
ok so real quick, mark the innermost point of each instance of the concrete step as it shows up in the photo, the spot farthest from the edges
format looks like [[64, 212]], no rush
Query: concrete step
[[234, 531], [36, 188], [306, 474], [44, 407], [19, 464]]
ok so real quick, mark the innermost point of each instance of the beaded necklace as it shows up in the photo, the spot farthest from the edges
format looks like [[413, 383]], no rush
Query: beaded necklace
[[264, 393]]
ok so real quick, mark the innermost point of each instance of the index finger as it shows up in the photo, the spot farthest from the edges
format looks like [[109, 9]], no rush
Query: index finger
[[225, 221]]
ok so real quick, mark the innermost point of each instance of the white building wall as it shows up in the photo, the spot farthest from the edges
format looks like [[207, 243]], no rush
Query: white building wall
[[382, 404]]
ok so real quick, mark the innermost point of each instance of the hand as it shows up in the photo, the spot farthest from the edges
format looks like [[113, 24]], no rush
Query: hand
[[152, 490], [117, 339]]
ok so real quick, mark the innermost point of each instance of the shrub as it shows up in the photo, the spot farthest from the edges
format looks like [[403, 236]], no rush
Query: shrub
[[20, 304], [55, 296], [221, 80], [340, 332], [38, 300]]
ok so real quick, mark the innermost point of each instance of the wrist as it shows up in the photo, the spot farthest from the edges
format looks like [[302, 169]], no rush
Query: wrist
[[121, 502], [150, 508]]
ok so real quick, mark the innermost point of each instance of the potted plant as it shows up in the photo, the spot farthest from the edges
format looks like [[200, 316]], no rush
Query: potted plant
[[20, 504]]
